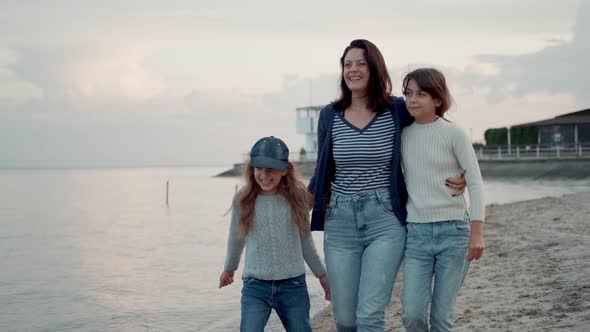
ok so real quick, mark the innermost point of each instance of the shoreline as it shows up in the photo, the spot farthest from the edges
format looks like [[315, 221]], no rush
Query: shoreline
[[535, 273], [536, 169]]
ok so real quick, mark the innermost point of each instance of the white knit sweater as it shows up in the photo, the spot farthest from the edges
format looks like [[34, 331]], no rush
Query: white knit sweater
[[432, 153]]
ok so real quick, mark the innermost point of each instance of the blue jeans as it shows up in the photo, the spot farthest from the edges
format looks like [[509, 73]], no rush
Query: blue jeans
[[436, 249], [288, 297], [363, 246]]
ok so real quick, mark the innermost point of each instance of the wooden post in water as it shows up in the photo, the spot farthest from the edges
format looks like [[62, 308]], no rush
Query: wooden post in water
[[167, 187]]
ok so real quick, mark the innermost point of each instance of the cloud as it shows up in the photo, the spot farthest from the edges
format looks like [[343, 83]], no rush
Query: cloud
[[177, 82], [559, 68], [102, 106], [302, 91], [98, 73], [193, 129]]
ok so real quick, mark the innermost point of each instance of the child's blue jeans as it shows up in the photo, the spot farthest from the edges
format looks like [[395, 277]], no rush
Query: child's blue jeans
[[439, 250], [288, 297]]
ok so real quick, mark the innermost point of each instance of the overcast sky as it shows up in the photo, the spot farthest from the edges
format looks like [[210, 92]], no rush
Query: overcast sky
[[130, 83]]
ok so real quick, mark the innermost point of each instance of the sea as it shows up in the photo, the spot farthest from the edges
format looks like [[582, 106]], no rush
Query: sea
[[100, 249]]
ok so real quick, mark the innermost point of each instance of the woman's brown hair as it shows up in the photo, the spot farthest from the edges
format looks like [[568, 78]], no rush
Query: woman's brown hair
[[379, 86], [433, 82], [291, 187]]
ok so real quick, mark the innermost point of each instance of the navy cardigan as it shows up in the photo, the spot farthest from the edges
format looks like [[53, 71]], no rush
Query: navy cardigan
[[325, 168]]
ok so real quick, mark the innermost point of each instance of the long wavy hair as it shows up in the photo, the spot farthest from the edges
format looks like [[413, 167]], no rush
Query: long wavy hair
[[379, 85], [291, 187]]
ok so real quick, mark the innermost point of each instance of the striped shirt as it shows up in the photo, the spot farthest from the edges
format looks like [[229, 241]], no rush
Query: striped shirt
[[363, 156]]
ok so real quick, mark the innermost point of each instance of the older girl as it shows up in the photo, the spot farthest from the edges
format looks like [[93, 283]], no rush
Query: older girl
[[444, 235]]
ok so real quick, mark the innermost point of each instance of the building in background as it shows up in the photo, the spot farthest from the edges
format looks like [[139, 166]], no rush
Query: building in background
[[564, 130], [567, 130], [307, 124]]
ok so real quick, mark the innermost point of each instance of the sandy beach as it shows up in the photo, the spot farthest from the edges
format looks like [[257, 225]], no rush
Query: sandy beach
[[534, 276]]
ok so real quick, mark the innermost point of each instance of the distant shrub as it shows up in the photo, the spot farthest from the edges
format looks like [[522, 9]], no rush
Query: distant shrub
[[518, 136]]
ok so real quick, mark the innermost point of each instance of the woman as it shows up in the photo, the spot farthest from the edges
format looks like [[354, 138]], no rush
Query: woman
[[360, 193]]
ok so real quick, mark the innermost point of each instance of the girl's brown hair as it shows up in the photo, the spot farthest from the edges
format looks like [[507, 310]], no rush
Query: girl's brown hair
[[379, 86], [433, 82], [291, 187]]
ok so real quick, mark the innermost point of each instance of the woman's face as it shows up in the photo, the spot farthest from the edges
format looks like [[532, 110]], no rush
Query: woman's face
[[355, 70]]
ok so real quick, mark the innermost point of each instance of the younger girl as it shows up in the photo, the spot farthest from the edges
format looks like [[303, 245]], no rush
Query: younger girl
[[444, 235], [270, 217]]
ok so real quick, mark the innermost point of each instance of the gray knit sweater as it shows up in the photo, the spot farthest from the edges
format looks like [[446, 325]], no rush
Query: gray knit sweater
[[275, 249]]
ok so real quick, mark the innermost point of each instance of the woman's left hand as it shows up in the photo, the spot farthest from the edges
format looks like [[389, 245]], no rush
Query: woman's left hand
[[458, 185]]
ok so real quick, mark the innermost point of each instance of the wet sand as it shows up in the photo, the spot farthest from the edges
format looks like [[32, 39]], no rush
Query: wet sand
[[534, 276]]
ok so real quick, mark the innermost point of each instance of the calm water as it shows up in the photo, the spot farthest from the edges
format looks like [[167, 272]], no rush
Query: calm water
[[99, 250]]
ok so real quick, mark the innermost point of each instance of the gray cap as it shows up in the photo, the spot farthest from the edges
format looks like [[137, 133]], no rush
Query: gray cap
[[270, 152]]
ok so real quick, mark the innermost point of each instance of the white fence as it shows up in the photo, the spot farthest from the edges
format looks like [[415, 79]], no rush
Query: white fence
[[513, 152]]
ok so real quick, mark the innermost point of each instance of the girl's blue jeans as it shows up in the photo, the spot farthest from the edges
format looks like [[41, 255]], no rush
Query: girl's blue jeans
[[289, 298], [439, 250], [363, 247]]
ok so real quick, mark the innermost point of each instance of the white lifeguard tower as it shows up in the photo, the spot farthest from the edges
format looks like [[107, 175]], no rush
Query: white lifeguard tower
[[307, 124]]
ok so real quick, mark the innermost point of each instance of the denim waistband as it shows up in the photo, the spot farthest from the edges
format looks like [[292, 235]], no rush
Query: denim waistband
[[381, 193]]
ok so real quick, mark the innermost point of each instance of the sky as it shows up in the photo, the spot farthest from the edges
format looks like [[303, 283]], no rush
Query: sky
[[148, 83]]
